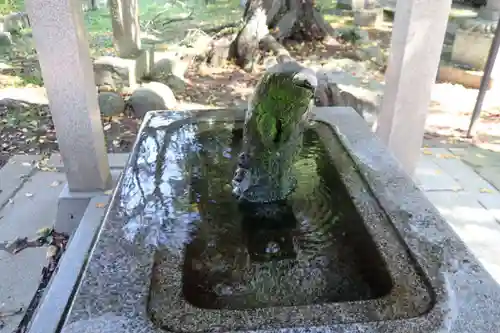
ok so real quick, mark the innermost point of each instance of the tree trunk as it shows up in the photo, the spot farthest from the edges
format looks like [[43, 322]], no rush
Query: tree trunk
[[126, 30], [268, 21]]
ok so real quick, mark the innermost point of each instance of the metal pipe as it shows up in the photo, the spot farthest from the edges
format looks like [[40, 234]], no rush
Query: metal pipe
[[488, 68]]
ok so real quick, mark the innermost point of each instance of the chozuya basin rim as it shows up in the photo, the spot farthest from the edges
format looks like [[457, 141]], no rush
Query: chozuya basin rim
[[110, 291]]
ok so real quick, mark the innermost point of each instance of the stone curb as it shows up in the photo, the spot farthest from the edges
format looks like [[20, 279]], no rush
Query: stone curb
[[51, 311], [116, 161]]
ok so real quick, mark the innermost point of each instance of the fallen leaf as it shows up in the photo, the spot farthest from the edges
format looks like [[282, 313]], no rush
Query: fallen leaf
[[485, 190], [44, 232], [52, 251], [108, 192], [55, 183], [100, 205], [426, 152], [446, 156]]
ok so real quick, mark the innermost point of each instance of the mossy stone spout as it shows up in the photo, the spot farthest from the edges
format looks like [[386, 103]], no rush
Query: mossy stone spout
[[273, 132]]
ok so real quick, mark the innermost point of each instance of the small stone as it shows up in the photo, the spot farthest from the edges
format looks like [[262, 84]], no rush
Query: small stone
[[151, 96], [111, 104], [105, 88], [272, 248], [52, 251], [127, 91], [55, 183]]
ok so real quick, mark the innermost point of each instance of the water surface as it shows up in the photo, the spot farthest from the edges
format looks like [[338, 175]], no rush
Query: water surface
[[315, 250]]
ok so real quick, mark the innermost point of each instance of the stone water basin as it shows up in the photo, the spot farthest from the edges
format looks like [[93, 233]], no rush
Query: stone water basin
[[332, 250], [356, 249]]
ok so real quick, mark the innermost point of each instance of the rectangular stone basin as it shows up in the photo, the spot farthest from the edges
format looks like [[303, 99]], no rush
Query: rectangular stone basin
[[357, 248], [335, 249]]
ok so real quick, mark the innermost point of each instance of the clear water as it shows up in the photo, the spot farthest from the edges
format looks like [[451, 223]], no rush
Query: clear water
[[313, 248]]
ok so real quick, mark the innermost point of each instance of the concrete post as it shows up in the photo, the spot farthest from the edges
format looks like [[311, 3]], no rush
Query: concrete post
[[417, 39], [63, 52]]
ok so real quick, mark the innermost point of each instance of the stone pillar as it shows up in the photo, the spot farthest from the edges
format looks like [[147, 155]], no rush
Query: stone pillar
[[417, 39], [63, 52]]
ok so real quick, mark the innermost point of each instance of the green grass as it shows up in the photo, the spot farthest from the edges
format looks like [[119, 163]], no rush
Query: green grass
[[220, 12], [205, 16], [223, 11], [9, 6]]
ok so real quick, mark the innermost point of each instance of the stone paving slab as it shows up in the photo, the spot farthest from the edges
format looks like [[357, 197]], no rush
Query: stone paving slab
[[14, 174], [474, 224], [472, 209], [492, 174], [477, 157], [33, 207], [430, 177], [464, 175], [491, 201]]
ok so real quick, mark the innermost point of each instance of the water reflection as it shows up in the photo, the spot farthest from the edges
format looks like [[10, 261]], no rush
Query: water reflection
[[155, 187]]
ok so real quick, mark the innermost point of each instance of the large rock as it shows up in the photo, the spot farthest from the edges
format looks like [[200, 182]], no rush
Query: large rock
[[5, 39], [15, 22], [171, 66], [25, 95], [151, 96], [368, 17], [111, 104], [119, 72]]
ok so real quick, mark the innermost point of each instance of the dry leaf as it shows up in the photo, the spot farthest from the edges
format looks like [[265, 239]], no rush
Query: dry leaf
[[52, 251], [446, 156], [100, 205], [108, 192], [485, 190]]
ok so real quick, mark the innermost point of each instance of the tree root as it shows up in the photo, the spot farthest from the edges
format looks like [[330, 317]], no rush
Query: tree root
[[219, 28]]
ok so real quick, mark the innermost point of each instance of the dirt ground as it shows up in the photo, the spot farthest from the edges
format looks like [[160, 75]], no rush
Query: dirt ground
[[31, 130]]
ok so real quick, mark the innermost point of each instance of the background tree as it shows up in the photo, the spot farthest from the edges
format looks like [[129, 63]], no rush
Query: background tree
[[126, 29], [267, 22]]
